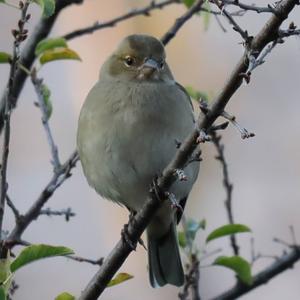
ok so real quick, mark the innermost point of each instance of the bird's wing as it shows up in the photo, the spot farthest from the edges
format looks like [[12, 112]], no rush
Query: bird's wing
[[186, 94], [179, 212]]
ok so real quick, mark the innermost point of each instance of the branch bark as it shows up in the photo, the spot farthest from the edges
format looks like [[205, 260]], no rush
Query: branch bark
[[27, 57], [138, 224], [34, 211], [285, 262]]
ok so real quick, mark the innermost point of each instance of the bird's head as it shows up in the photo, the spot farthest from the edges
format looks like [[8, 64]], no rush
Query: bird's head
[[138, 57]]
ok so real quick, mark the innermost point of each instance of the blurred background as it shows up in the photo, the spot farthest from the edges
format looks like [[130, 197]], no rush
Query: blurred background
[[265, 170]]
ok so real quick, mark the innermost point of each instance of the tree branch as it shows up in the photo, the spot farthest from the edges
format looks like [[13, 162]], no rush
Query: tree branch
[[140, 221], [247, 7], [34, 211], [283, 263], [27, 57], [39, 89], [145, 11], [170, 34], [20, 35], [216, 139]]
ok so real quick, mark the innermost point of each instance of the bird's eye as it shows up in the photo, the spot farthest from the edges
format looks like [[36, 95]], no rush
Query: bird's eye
[[129, 61]]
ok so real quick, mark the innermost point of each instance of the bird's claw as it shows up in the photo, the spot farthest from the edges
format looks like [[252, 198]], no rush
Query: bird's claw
[[126, 239]]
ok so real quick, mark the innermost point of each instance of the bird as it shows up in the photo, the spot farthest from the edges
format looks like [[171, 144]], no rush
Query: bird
[[128, 131]]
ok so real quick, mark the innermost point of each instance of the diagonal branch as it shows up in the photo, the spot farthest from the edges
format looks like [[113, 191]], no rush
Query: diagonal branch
[[27, 57], [140, 221], [145, 11], [34, 211], [283, 263], [20, 35], [196, 7]]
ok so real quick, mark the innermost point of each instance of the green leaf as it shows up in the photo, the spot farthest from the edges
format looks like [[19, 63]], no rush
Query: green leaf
[[227, 230], [2, 293], [36, 252], [65, 296], [121, 277], [197, 95], [4, 269], [47, 44], [57, 54], [46, 97], [182, 239], [47, 6], [188, 3], [5, 274], [5, 57], [239, 265]]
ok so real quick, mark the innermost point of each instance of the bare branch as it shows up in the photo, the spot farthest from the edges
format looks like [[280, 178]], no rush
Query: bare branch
[[38, 86], [97, 262], [145, 11], [191, 284], [196, 7], [12, 207], [216, 139], [247, 7], [34, 211], [27, 57], [20, 35], [283, 263], [67, 213], [140, 221], [236, 26]]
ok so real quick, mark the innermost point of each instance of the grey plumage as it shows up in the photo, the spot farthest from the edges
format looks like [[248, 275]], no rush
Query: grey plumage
[[127, 130]]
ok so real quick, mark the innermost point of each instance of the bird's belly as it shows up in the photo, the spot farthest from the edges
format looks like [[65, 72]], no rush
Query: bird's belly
[[126, 158], [123, 147]]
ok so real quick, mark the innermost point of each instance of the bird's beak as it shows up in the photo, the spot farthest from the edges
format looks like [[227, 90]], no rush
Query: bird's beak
[[150, 63]]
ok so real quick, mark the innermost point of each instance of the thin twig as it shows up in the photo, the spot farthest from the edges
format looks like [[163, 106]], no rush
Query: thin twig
[[216, 139], [27, 56], [191, 285], [67, 213], [97, 262], [12, 207], [170, 34], [236, 26], [247, 7], [284, 262], [39, 89], [34, 211], [20, 35], [145, 11]]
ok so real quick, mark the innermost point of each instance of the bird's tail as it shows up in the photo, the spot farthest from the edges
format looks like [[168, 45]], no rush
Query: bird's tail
[[164, 259]]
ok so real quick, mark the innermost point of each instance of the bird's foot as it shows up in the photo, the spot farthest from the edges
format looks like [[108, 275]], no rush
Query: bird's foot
[[156, 189], [126, 238]]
